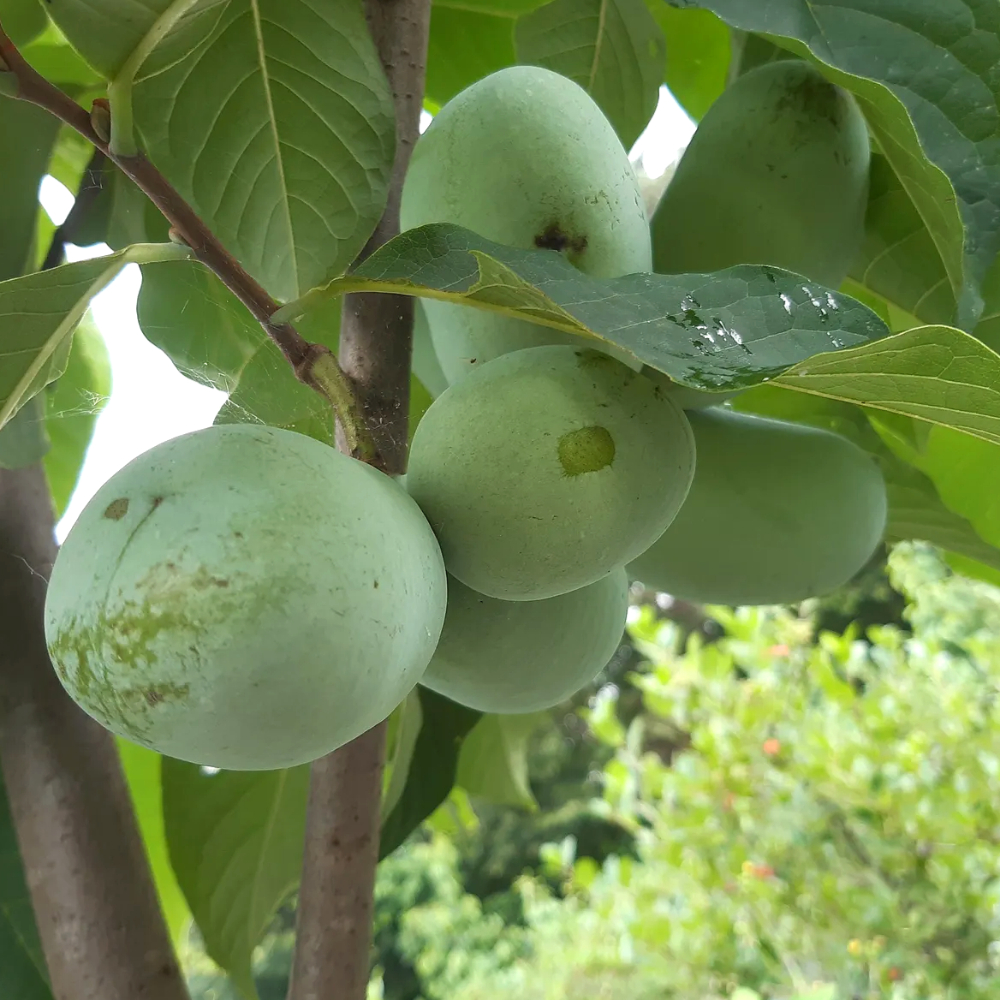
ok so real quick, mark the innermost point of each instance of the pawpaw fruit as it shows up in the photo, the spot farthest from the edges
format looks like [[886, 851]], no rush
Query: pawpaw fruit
[[425, 364], [545, 469], [686, 397], [776, 173], [777, 512], [526, 158], [245, 597], [526, 656]]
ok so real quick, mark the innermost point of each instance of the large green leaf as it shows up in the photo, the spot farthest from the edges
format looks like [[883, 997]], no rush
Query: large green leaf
[[433, 767], [23, 975], [186, 311], [22, 20], [493, 762], [39, 312], [235, 841], [734, 328], [29, 134], [614, 49], [698, 55], [272, 117], [934, 373], [72, 405], [464, 46], [925, 73], [403, 728], [899, 260], [142, 769]]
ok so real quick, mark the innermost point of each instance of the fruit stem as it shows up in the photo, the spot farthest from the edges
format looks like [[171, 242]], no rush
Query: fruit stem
[[333, 941], [187, 227]]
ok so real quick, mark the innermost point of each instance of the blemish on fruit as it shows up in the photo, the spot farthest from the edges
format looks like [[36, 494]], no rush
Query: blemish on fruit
[[553, 237], [117, 509], [588, 449]]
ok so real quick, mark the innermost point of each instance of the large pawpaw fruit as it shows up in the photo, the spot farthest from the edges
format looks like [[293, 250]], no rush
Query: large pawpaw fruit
[[777, 512], [546, 469], [776, 173], [526, 158], [525, 656], [245, 597]]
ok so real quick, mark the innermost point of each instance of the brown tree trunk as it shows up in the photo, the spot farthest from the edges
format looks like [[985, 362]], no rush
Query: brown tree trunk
[[98, 917]]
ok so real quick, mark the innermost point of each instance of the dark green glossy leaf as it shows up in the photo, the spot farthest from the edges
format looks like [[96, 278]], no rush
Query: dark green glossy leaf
[[235, 841], [731, 329], [72, 405], [614, 49], [23, 975], [432, 768]]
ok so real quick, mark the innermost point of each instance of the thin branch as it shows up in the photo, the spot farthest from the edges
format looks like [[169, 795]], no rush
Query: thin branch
[[332, 952], [188, 227], [90, 190], [91, 891]]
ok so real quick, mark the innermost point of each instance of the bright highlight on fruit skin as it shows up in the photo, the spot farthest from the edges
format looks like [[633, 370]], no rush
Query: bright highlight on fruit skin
[[245, 597]]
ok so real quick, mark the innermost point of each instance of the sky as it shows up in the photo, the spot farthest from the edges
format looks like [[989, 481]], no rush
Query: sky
[[151, 401]]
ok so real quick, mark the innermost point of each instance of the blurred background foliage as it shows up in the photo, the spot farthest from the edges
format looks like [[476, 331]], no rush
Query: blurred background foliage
[[784, 803]]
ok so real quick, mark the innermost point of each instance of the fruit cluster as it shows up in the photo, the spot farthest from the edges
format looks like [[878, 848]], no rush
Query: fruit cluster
[[247, 597]]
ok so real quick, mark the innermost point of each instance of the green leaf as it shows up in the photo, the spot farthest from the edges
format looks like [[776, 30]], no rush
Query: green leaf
[[186, 311], [933, 373], [432, 769], [698, 53], [235, 841], [142, 772], [899, 260], [403, 728], [464, 46], [726, 330], [493, 763], [278, 127], [916, 511], [924, 73], [31, 132], [273, 118], [39, 312], [58, 62], [72, 405], [23, 440], [22, 20], [268, 392], [23, 975], [614, 49]]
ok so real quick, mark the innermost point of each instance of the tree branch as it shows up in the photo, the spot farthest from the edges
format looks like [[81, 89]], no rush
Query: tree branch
[[98, 917], [342, 822], [313, 364]]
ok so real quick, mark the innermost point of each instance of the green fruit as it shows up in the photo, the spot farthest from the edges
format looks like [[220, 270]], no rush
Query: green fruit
[[245, 597], [546, 469], [777, 173], [524, 656], [526, 158], [777, 512]]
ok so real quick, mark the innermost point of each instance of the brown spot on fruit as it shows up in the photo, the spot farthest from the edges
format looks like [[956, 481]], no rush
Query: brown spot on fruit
[[117, 509], [553, 237]]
